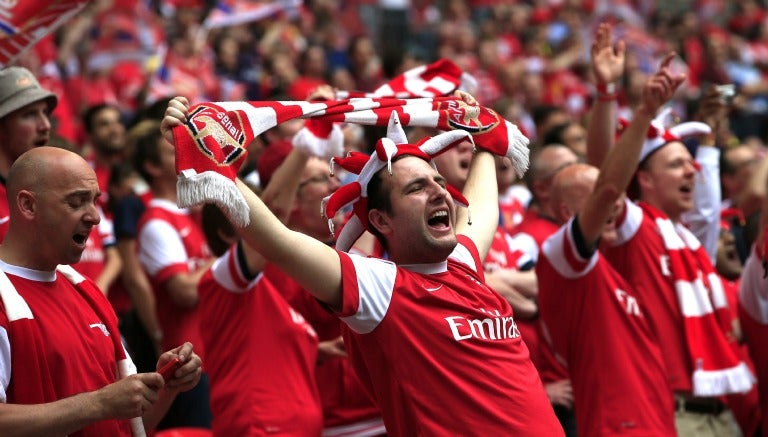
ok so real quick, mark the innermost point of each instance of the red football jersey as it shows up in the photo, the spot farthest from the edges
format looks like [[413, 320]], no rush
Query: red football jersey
[[638, 254], [753, 314], [73, 332], [598, 326], [430, 340], [171, 241], [262, 356]]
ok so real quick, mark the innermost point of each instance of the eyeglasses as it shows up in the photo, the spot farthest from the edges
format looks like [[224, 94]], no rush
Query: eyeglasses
[[319, 179]]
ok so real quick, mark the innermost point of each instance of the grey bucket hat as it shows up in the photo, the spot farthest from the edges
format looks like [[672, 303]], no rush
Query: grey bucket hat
[[19, 88]]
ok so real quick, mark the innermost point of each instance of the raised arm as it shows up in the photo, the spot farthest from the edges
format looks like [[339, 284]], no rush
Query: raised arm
[[607, 68], [480, 220], [315, 266], [621, 162]]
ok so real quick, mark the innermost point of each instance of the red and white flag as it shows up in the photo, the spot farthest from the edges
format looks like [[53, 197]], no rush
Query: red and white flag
[[233, 12], [24, 23]]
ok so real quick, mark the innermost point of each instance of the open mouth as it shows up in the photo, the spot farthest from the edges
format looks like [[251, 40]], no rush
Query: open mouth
[[439, 219], [80, 238]]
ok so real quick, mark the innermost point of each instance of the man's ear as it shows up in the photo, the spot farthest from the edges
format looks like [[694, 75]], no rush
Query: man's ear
[[644, 179], [27, 203], [380, 221]]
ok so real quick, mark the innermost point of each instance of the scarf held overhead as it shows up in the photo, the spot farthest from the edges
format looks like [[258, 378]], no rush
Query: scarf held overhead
[[210, 146], [704, 309]]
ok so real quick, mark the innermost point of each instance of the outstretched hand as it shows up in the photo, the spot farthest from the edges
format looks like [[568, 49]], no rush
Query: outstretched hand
[[660, 87], [607, 58]]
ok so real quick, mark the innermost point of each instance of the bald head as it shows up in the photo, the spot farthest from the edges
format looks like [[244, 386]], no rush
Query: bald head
[[546, 162], [42, 167], [570, 189]]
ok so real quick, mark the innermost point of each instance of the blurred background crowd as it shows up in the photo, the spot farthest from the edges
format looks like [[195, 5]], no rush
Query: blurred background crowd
[[115, 65], [525, 54]]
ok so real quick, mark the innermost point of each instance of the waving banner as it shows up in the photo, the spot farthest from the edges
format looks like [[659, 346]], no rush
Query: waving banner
[[24, 22]]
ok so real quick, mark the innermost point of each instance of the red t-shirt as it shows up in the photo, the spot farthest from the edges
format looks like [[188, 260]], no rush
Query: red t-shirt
[[432, 340], [598, 326], [170, 242], [262, 356], [79, 352], [345, 401], [753, 314]]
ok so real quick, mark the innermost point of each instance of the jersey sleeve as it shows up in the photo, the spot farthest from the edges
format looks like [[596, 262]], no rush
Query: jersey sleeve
[[526, 244], [161, 251], [628, 222], [704, 219], [753, 288], [367, 287], [562, 252], [228, 273], [466, 253]]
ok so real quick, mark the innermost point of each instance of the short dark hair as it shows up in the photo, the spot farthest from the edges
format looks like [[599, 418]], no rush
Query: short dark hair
[[90, 113], [379, 199], [146, 149], [215, 223]]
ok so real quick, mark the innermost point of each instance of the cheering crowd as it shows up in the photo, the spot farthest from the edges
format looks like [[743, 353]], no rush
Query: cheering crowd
[[540, 218]]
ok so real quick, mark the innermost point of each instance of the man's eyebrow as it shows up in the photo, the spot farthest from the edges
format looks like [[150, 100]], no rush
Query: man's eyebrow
[[82, 193]]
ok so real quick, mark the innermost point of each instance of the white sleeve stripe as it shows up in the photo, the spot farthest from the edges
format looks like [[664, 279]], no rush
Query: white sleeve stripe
[[753, 290], [16, 307], [526, 244], [463, 255], [222, 273], [554, 248], [376, 282], [633, 217], [5, 364]]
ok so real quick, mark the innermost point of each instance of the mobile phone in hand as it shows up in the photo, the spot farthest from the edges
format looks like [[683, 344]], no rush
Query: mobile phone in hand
[[169, 368]]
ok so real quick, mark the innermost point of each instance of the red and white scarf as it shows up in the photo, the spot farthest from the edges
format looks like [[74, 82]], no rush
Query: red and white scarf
[[704, 308], [210, 147]]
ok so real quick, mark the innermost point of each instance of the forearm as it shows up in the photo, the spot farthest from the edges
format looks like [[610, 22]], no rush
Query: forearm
[[482, 194], [524, 282], [112, 267], [522, 306], [615, 174], [314, 265], [183, 286], [281, 190], [61, 417], [601, 130], [753, 196]]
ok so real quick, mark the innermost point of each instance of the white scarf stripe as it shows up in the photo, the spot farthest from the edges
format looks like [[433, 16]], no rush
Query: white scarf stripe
[[693, 298], [717, 292]]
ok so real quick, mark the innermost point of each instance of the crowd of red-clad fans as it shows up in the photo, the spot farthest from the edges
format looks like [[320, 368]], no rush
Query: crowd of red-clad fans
[[117, 63]]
